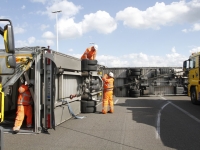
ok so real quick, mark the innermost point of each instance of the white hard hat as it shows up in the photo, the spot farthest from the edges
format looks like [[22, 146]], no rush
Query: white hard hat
[[96, 47], [111, 74]]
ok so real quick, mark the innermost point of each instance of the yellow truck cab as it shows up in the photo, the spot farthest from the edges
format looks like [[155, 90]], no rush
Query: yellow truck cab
[[192, 69]]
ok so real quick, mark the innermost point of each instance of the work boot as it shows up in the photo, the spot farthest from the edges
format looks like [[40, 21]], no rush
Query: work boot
[[15, 131], [104, 112], [110, 111]]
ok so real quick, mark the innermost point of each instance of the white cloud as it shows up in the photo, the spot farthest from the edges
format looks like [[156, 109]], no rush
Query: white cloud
[[48, 35], [45, 43], [195, 27], [68, 9], [43, 27], [160, 15], [39, 1], [173, 59], [100, 21], [49, 42], [20, 43], [195, 49], [185, 30], [31, 40], [23, 7], [67, 28], [71, 50], [19, 30]]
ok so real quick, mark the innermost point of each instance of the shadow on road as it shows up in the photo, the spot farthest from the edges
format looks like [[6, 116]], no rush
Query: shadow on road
[[178, 130]]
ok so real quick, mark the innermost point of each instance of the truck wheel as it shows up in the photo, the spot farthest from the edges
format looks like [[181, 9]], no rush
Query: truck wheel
[[193, 96], [92, 67], [133, 72], [88, 104], [92, 62], [134, 93], [88, 110]]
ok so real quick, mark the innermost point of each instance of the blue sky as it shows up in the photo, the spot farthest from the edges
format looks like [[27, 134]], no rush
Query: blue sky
[[139, 33]]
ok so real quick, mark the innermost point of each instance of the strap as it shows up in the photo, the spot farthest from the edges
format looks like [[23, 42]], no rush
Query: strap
[[71, 112]]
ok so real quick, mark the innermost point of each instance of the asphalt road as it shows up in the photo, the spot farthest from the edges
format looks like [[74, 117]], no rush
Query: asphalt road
[[143, 123]]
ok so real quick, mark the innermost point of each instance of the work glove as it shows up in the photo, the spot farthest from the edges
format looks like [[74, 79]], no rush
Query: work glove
[[30, 85]]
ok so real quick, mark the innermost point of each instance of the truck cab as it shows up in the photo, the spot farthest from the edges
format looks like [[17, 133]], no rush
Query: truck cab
[[191, 67]]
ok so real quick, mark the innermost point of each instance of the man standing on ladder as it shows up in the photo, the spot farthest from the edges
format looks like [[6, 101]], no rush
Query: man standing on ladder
[[24, 108], [108, 86], [90, 53]]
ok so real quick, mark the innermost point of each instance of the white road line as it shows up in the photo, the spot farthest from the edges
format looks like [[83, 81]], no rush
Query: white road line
[[163, 98], [116, 101], [158, 121], [159, 116], [185, 112]]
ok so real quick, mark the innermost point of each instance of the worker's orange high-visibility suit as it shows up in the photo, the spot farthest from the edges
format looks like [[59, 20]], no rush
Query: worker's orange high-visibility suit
[[90, 53], [108, 94], [24, 107]]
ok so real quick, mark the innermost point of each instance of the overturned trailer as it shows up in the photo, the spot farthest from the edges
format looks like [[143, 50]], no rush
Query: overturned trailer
[[140, 81], [62, 87]]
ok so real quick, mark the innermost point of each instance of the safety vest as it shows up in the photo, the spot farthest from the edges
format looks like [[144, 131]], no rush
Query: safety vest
[[24, 97], [89, 54], [108, 84]]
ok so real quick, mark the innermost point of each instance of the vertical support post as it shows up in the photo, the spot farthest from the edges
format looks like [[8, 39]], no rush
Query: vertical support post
[[1, 139]]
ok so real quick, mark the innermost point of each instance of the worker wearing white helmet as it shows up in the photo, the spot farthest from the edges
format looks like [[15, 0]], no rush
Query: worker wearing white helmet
[[108, 86], [90, 53]]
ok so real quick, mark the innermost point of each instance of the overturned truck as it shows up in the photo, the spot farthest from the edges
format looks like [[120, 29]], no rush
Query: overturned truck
[[63, 86], [142, 81]]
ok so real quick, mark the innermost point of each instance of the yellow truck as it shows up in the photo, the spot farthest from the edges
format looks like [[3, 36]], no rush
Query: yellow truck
[[191, 67]]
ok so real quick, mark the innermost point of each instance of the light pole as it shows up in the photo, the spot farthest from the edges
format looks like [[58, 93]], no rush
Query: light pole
[[57, 25]]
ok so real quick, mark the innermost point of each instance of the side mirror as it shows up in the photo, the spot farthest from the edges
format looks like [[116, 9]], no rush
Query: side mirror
[[9, 39], [184, 65], [10, 61]]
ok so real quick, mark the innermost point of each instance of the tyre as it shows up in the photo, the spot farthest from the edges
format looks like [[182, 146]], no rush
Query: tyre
[[134, 93], [193, 96], [88, 110], [92, 62], [84, 97], [92, 67], [133, 72], [88, 103]]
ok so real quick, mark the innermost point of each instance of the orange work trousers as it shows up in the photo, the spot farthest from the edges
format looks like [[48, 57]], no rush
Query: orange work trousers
[[21, 112], [107, 100]]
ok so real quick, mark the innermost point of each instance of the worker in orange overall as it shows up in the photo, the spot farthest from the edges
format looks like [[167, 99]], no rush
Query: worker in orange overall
[[90, 53], [24, 108], [108, 86]]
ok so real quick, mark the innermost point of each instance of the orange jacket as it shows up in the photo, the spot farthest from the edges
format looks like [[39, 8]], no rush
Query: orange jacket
[[89, 53], [108, 82], [24, 97]]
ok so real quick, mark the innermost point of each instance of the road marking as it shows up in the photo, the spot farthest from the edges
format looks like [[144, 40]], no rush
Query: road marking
[[185, 112], [158, 121], [159, 116], [114, 102]]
